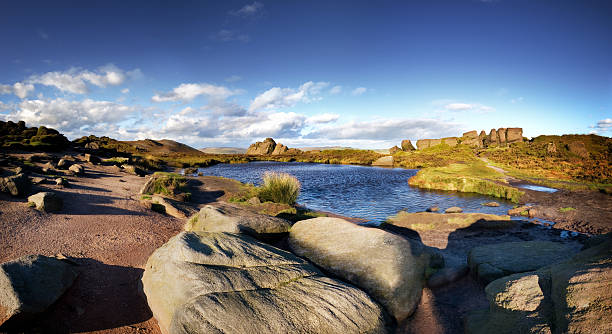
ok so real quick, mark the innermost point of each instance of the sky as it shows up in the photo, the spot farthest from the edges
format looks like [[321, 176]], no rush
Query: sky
[[308, 73]]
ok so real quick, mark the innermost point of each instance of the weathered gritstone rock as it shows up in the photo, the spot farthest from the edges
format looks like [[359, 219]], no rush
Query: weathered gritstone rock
[[77, 169], [426, 143], [385, 265], [202, 282], [491, 262], [491, 204], [280, 149], [394, 150], [16, 185], [514, 135], [169, 206], [29, 285], [131, 169], [407, 145], [453, 209], [236, 220], [574, 296], [450, 141], [46, 201], [262, 148]]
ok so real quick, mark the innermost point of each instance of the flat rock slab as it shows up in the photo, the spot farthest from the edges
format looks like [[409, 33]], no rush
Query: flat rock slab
[[385, 265], [449, 221], [29, 285], [202, 282], [236, 220], [574, 296], [493, 261]]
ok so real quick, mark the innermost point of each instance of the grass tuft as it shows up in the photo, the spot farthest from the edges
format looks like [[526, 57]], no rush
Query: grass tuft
[[568, 209], [279, 188]]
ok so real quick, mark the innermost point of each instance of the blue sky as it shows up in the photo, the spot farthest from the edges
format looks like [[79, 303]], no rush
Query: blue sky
[[308, 73]]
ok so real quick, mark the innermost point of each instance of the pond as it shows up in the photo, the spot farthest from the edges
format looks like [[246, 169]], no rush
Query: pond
[[372, 193]]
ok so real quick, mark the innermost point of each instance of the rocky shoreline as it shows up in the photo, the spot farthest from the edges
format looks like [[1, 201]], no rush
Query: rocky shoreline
[[419, 272]]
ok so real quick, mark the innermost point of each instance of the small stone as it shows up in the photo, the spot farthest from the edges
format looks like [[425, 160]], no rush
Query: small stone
[[46, 201], [433, 209], [254, 200], [77, 169], [453, 209], [60, 181], [491, 204], [62, 163]]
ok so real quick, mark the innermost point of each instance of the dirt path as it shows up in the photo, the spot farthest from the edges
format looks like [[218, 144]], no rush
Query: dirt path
[[108, 233]]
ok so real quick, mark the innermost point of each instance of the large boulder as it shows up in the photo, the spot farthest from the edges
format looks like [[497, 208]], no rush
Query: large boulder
[[501, 134], [387, 266], [470, 138], [262, 148], [407, 145], [427, 143], [493, 139], [574, 296], [170, 206], [29, 285], [202, 282], [514, 135], [490, 262], [77, 169], [236, 220], [16, 185], [280, 149], [46, 201]]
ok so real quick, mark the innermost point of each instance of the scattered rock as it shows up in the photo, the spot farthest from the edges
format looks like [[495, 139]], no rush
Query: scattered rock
[[60, 181], [190, 171], [92, 158], [37, 180], [491, 204], [62, 164], [131, 169], [46, 201], [385, 265], [254, 200], [573, 296], [169, 207], [226, 283], [407, 145], [453, 209], [490, 262], [434, 208], [18, 170], [520, 211], [16, 185], [29, 285], [236, 220], [77, 169], [384, 161]]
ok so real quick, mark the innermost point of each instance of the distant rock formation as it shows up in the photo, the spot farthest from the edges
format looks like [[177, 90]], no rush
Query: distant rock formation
[[16, 136], [270, 147], [499, 137], [407, 145], [394, 150]]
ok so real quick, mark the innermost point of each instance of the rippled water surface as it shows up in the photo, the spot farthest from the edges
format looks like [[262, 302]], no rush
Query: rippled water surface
[[372, 193]]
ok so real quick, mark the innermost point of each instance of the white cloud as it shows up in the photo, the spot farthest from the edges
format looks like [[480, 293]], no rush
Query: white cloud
[[20, 89], [387, 130], [359, 91], [72, 117], [322, 118], [225, 35], [473, 107], [277, 97], [517, 100], [248, 10], [125, 90], [75, 80], [335, 90], [189, 91], [233, 78], [605, 125]]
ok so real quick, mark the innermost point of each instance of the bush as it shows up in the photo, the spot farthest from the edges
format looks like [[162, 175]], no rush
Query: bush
[[279, 188]]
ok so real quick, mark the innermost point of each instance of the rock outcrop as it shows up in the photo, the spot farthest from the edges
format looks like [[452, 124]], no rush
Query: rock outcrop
[[394, 150], [46, 201], [270, 147], [491, 262], [574, 296], [427, 143], [407, 145], [227, 283], [280, 149], [29, 285], [499, 137], [18, 136], [16, 185], [386, 161], [385, 265], [236, 220]]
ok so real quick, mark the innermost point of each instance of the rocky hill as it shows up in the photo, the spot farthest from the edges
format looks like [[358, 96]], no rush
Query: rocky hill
[[270, 147], [154, 147], [16, 136]]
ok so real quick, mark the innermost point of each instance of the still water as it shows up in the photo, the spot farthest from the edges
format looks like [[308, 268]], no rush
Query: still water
[[372, 193]]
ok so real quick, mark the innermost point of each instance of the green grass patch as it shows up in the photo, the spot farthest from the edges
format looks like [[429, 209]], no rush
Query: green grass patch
[[279, 188], [145, 197], [167, 184], [297, 214], [475, 178], [568, 209]]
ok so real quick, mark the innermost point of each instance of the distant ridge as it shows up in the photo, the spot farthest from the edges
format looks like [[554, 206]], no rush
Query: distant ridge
[[223, 150], [162, 146]]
